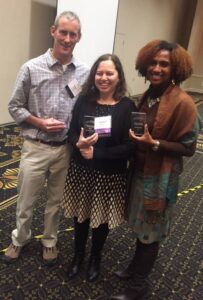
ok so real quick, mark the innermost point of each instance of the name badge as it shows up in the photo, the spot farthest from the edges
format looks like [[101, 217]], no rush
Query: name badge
[[73, 88], [102, 125]]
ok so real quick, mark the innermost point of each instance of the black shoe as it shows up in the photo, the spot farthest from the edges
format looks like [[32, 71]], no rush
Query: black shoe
[[75, 266], [127, 273], [132, 293], [11, 254], [93, 269], [50, 256], [7, 260]]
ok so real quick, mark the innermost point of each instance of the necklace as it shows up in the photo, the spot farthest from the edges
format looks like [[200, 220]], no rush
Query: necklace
[[151, 102]]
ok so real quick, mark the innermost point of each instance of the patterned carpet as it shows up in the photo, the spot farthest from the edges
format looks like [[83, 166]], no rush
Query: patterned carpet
[[177, 273]]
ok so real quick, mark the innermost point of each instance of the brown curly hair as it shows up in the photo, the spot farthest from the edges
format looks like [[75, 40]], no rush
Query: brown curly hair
[[181, 62]]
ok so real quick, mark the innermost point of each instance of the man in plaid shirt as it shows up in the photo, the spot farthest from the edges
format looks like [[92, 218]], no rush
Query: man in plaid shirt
[[42, 101]]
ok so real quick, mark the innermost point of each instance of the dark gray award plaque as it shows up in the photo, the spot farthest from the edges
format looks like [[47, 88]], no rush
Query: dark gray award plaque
[[88, 125], [138, 120]]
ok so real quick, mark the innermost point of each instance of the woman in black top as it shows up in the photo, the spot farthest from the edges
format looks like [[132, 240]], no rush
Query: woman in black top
[[95, 188]]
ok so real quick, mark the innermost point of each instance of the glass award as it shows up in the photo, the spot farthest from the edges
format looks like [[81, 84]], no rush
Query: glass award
[[138, 120], [88, 125]]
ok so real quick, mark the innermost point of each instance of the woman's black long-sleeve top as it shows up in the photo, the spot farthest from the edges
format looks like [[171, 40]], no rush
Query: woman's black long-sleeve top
[[110, 153]]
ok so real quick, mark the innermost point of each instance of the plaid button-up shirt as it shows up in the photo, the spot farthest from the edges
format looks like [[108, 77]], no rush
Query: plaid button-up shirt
[[40, 90]]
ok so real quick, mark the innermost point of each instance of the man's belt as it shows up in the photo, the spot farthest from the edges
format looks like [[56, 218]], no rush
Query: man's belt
[[51, 143]]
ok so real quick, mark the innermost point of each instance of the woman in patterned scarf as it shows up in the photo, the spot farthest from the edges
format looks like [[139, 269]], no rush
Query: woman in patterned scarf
[[170, 132]]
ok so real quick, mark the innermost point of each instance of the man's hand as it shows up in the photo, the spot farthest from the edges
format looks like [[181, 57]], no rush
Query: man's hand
[[48, 125], [52, 125]]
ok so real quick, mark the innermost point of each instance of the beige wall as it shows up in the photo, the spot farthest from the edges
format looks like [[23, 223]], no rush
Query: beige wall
[[24, 34], [195, 83], [140, 21]]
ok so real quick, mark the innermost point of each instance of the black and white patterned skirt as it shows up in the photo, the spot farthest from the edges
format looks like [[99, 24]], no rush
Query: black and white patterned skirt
[[92, 194]]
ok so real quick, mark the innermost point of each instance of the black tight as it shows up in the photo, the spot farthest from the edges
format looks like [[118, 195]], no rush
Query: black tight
[[81, 235], [99, 236]]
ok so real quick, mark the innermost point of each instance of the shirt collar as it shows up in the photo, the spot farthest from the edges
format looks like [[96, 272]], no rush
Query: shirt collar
[[51, 61]]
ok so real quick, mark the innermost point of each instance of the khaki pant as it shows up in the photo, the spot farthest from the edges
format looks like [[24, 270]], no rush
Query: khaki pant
[[40, 164]]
